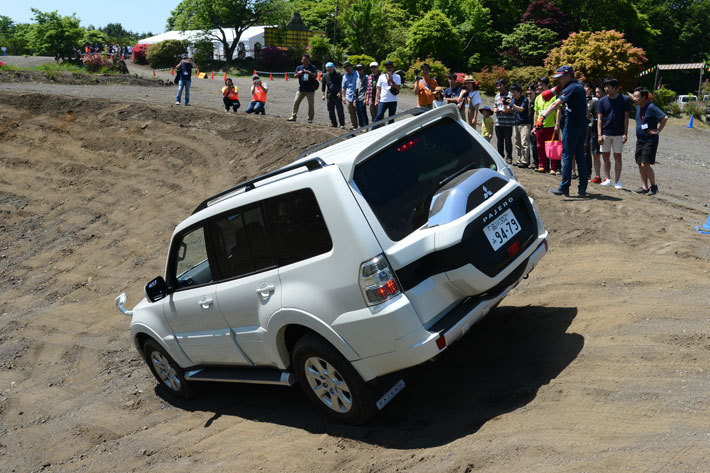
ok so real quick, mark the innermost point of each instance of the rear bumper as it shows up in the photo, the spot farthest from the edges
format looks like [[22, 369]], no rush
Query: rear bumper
[[427, 342]]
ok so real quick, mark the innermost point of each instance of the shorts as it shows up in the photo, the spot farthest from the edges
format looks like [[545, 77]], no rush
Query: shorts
[[612, 144], [594, 144], [646, 152]]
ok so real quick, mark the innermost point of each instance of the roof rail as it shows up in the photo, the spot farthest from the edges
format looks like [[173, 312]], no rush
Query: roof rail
[[311, 165], [412, 111]]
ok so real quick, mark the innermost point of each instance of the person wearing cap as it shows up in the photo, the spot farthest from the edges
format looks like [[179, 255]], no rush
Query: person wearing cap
[[470, 100], [307, 76], [487, 123], [230, 95], [439, 100], [505, 120], [387, 90], [184, 71], [424, 87], [258, 96], [349, 87], [372, 89], [331, 83], [361, 93], [452, 94], [574, 132], [550, 127]]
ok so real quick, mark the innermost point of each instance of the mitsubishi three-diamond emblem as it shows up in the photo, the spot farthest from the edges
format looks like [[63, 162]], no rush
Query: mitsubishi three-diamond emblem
[[486, 193]]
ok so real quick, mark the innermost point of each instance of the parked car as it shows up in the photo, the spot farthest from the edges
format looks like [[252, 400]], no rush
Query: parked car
[[370, 254]]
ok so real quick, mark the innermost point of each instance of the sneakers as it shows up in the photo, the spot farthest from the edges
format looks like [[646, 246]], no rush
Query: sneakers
[[641, 190], [559, 192], [541, 169], [653, 190], [617, 185], [552, 172], [187, 104], [558, 173], [177, 103], [606, 182], [574, 175], [596, 180], [310, 120], [228, 110], [291, 119]]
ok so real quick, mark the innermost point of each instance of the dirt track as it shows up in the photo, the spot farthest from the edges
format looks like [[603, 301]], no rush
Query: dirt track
[[598, 362]]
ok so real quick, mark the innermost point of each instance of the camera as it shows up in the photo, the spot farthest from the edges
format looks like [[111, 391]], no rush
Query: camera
[[506, 101]]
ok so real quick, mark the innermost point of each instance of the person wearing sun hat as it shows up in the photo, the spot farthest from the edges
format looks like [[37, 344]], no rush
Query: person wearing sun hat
[[471, 99], [439, 100], [574, 132]]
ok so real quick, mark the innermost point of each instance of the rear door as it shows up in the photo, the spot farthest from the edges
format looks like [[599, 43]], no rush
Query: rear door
[[191, 309]]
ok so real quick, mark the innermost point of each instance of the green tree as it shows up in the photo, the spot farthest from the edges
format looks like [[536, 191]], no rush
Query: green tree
[[695, 36], [217, 17], [374, 27], [7, 26], [528, 45], [480, 41], [53, 34], [434, 35], [600, 54], [94, 37], [165, 53]]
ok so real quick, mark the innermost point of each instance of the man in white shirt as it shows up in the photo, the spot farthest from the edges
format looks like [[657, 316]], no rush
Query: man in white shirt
[[388, 85]]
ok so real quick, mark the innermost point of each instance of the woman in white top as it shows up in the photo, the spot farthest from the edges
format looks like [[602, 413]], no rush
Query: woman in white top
[[472, 100]]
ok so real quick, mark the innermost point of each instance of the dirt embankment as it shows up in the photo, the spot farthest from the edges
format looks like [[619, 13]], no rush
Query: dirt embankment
[[598, 362], [80, 78]]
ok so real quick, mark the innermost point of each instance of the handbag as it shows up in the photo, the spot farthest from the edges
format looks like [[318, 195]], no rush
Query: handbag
[[553, 148]]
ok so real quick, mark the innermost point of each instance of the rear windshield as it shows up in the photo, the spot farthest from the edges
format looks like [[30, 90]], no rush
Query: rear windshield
[[399, 181]]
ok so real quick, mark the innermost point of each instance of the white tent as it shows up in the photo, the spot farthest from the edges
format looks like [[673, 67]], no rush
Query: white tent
[[250, 43]]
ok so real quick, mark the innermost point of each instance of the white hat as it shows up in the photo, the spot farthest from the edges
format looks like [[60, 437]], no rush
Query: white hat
[[374, 64]]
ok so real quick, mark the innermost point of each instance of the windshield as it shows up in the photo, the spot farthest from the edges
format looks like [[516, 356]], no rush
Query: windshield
[[399, 181]]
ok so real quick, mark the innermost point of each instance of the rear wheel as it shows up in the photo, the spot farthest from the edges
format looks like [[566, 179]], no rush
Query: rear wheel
[[331, 382], [166, 371]]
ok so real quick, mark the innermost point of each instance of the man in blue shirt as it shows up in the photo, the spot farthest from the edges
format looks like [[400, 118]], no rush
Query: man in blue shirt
[[521, 129], [184, 72], [650, 121], [612, 128], [349, 86], [307, 76], [574, 132]]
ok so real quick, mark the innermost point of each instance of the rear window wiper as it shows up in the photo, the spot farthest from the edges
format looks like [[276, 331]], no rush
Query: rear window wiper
[[446, 180]]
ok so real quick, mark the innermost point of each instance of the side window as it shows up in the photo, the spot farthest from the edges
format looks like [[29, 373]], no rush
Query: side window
[[241, 244], [191, 265], [296, 227]]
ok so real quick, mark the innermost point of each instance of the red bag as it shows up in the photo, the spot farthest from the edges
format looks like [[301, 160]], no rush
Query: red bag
[[553, 148]]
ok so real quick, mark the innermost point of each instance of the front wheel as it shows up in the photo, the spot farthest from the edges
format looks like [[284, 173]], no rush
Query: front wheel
[[166, 371], [331, 382]]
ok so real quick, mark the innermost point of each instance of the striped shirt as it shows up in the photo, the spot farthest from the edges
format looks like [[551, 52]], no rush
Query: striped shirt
[[503, 119]]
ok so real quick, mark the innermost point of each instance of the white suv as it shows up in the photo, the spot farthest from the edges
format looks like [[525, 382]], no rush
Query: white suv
[[364, 257]]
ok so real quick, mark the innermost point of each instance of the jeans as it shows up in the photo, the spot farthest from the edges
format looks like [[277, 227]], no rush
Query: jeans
[[335, 105], [297, 103], [184, 84], [256, 107], [573, 138], [391, 107], [361, 113], [504, 135]]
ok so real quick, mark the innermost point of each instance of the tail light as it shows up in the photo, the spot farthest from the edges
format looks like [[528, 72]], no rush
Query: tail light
[[377, 281]]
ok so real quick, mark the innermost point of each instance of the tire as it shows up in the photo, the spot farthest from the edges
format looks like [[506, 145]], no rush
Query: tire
[[166, 371], [331, 382]]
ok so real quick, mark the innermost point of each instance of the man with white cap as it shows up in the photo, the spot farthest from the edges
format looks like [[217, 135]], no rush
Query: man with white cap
[[372, 88], [331, 83], [574, 133]]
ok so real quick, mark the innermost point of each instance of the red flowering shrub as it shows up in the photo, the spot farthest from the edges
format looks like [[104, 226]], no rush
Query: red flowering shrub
[[488, 76], [101, 63], [139, 53]]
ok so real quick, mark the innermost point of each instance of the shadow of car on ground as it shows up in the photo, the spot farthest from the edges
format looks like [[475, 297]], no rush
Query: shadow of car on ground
[[496, 368]]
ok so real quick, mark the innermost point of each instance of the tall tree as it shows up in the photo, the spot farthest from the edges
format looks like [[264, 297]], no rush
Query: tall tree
[[434, 35], [217, 18], [546, 14], [528, 45], [53, 34]]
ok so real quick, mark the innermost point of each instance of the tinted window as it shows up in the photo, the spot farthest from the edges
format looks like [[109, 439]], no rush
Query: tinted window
[[191, 265], [241, 245], [399, 182], [296, 227]]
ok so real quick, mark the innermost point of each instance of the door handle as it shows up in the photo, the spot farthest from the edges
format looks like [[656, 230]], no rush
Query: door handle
[[265, 289], [205, 303]]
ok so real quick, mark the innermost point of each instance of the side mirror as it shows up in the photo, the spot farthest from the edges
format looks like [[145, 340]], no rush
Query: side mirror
[[156, 289]]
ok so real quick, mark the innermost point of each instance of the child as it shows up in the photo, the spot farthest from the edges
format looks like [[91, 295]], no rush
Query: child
[[439, 97], [258, 96], [230, 97], [487, 125]]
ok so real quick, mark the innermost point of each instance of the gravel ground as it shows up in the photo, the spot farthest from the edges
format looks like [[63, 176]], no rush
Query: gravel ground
[[682, 161]]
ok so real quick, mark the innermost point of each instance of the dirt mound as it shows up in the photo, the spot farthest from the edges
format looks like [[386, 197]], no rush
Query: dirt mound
[[597, 362], [78, 78]]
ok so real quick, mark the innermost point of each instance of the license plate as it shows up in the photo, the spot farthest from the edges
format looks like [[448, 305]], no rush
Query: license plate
[[502, 229]]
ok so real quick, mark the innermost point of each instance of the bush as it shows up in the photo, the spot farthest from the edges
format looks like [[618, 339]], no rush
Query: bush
[[203, 54], [438, 70], [674, 108], [525, 75], [400, 57], [319, 48], [488, 76], [696, 109], [139, 52], [363, 59], [166, 53], [275, 59], [663, 97], [100, 63]]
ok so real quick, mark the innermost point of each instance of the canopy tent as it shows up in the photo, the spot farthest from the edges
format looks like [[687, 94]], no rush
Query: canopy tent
[[676, 67], [250, 43]]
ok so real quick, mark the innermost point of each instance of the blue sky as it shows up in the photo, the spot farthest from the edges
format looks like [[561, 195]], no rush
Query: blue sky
[[135, 15]]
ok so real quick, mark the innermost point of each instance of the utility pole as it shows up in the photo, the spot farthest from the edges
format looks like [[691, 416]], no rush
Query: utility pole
[[335, 21]]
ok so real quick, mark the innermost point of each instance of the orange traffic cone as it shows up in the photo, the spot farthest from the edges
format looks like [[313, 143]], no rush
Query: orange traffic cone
[[318, 76], [123, 57], [285, 75], [172, 71], [254, 73], [212, 76], [153, 72], [225, 76], [271, 76], [112, 57], [198, 72]]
